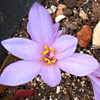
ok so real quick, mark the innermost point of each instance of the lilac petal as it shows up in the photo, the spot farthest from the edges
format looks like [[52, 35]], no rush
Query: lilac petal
[[19, 73], [29, 29], [64, 46], [40, 26], [57, 34], [79, 64], [94, 76], [56, 27], [22, 48], [94, 79], [96, 90], [51, 75], [97, 72]]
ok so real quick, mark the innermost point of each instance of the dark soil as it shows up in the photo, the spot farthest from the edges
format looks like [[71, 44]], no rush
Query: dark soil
[[71, 87]]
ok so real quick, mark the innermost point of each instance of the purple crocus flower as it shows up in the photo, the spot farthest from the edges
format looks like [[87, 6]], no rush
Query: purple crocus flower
[[95, 80], [46, 53]]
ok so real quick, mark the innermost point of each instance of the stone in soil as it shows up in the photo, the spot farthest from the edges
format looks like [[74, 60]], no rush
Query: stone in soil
[[67, 11], [80, 2], [95, 12], [53, 8], [84, 36], [59, 18], [70, 25], [50, 11], [96, 35], [59, 12], [71, 3], [78, 21], [82, 14], [65, 97], [60, 9]]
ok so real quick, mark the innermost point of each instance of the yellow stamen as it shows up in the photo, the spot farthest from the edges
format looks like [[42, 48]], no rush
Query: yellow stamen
[[52, 51], [49, 62], [54, 60], [45, 52], [46, 59], [49, 52], [46, 48]]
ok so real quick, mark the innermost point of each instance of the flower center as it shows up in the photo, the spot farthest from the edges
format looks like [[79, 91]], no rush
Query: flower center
[[49, 55]]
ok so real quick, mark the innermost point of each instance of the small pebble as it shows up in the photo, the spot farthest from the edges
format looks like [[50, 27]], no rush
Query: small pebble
[[70, 25], [67, 74], [61, 6], [59, 18], [67, 11], [50, 99], [64, 97], [84, 36], [58, 89], [49, 10], [38, 79], [75, 11], [96, 35], [59, 12], [65, 92], [60, 9], [53, 8], [78, 21], [95, 12], [83, 83], [71, 3], [76, 98], [64, 30], [82, 14]]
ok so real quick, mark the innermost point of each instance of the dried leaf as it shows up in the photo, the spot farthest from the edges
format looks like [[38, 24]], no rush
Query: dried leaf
[[23, 93], [2, 88], [9, 59]]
